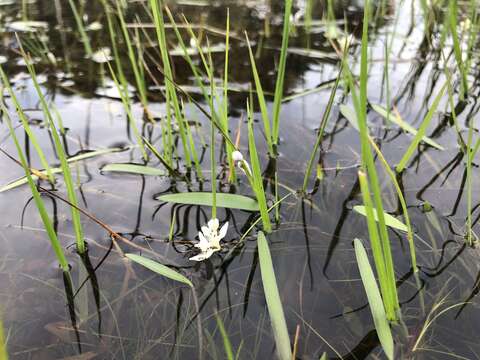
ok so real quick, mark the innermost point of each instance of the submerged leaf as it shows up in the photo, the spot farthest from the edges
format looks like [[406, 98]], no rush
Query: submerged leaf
[[275, 309], [232, 201], [396, 119], [133, 169], [159, 268], [374, 299], [389, 219]]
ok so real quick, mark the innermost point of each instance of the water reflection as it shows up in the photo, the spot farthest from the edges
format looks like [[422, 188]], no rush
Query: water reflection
[[112, 309]]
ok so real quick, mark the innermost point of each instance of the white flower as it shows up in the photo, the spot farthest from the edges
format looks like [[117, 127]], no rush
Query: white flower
[[210, 237], [241, 163]]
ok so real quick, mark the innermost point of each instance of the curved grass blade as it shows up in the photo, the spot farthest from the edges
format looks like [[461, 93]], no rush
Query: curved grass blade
[[72, 197], [159, 269], [275, 309], [31, 136], [232, 201], [374, 299], [421, 130], [397, 119], [389, 219], [133, 169], [47, 223]]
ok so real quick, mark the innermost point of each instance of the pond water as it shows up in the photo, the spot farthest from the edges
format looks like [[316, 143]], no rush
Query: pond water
[[124, 311]]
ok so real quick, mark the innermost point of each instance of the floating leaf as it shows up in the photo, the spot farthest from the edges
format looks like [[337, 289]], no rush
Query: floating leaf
[[275, 309], [389, 219], [374, 299], [232, 201], [350, 115], [159, 268], [396, 119], [133, 169], [83, 156], [23, 180]]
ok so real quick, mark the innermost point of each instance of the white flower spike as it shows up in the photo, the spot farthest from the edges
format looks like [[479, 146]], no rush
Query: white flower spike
[[210, 238]]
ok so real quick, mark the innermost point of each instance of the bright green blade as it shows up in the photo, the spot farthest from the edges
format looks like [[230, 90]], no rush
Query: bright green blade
[[275, 309], [374, 299], [389, 219], [159, 268], [404, 125], [232, 201], [133, 169]]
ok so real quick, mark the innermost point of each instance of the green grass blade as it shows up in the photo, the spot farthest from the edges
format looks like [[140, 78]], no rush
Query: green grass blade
[[137, 169], [47, 223], [404, 125], [81, 29], [323, 124], [275, 309], [261, 99], [277, 100], [374, 299], [389, 219], [159, 269], [3, 343], [231, 201], [67, 175], [256, 181], [227, 345], [56, 170], [26, 126], [421, 130]]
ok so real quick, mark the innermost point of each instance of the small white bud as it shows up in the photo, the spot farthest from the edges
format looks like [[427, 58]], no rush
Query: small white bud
[[237, 156]]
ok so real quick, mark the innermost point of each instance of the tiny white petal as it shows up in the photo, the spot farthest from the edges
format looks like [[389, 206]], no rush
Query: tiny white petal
[[202, 256], [203, 244], [223, 231], [206, 231]]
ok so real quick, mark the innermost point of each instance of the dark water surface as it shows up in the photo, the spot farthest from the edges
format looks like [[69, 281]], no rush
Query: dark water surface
[[139, 315]]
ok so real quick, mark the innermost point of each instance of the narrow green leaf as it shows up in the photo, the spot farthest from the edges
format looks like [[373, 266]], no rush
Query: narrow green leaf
[[277, 100], [421, 130], [3, 344], [83, 156], [261, 99], [159, 268], [404, 125], [374, 299], [133, 169], [389, 219], [226, 341], [232, 201], [275, 309]]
